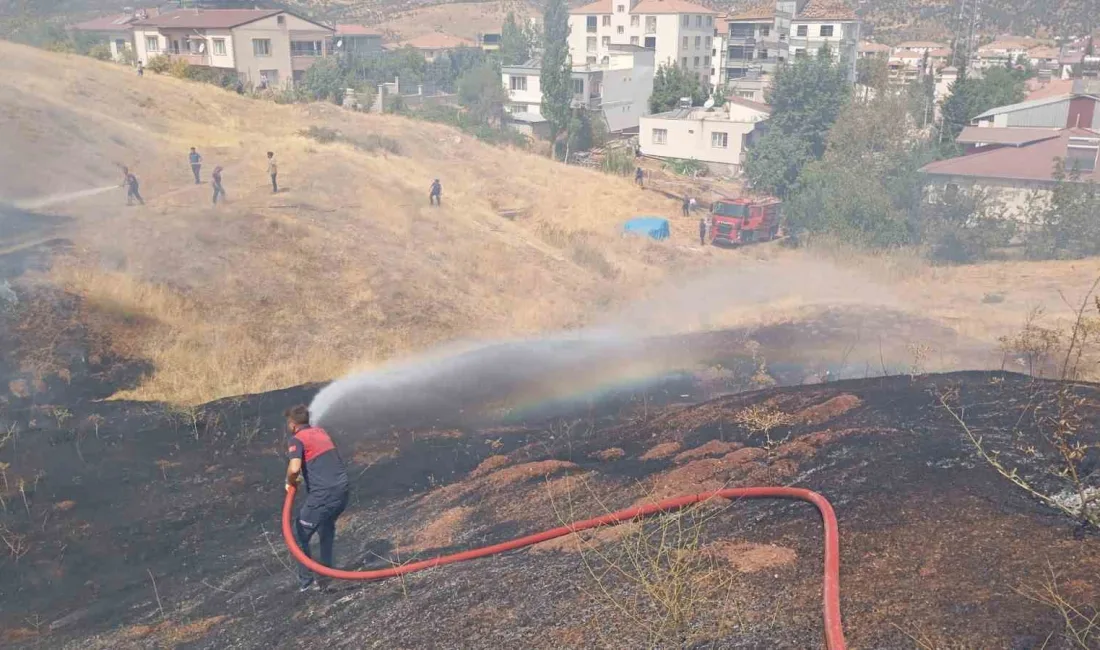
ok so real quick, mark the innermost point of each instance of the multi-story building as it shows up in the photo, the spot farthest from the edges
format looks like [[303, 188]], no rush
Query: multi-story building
[[755, 42], [116, 31], [827, 23], [679, 32], [264, 46], [618, 89]]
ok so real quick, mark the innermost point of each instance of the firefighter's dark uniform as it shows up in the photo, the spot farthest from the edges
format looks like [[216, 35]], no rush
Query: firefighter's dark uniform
[[326, 483]]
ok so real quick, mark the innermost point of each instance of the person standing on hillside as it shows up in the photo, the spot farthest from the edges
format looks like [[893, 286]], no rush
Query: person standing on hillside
[[435, 194], [315, 463], [132, 192], [141, 69], [217, 180], [685, 208], [703, 231], [639, 178], [273, 170], [196, 164]]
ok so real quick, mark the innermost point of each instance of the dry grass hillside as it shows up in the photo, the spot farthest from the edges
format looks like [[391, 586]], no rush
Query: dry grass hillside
[[347, 264]]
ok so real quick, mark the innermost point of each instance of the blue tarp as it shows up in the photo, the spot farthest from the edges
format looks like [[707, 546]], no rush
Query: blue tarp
[[654, 227]]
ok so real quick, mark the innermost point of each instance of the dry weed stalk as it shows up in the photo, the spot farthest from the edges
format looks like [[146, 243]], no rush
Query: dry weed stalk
[[761, 419], [673, 587], [1081, 623], [16, 544], [1059, 420]]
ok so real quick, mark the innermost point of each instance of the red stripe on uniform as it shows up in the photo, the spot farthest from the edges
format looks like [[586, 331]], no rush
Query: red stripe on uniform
[[314, 442]]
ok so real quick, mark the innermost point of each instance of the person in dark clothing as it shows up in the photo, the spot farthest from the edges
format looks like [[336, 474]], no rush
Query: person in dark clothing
[[132, 189], [316, 464], [435, 196], [196, 164], [240, 87], [141, 69], [703, 232], [639, 177], [686, 207], [273, 170], [217, 180]]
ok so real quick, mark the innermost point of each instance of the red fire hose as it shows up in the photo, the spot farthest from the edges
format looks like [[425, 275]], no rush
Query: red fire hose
[[834, 632]]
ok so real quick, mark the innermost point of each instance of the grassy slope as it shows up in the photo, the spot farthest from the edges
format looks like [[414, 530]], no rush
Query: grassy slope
[[348, 264]]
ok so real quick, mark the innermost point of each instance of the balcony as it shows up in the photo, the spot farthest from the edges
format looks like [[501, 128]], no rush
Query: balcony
[[192, 58], [742, 40]]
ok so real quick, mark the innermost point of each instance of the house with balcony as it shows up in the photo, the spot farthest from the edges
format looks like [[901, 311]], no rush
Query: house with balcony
[[356, 41], [264, 47], [719, 136], [755, 42], [435, 44], [831, 23], [618, 90], [679, 32], [116, 31]]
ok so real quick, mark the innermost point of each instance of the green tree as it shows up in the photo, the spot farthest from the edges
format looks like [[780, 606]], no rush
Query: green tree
[[515, 42], [969, 97], [326, 80], [806, 98], [670, 83], [555, 78], [480, 91], [1064, 223]]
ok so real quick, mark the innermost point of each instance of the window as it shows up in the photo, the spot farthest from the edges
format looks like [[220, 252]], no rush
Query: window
[[765, 31], [685, 62], [620, 9], [605, 41], [605, 60], [698, 42], [620, 29], [120, 44], [951, 192], [518, 108], [651, 42], [710, 21], [589, 59], [517, 83], [746, 94], [306, 48], [152, 43], [706, 61], [762, 54], [685, 42], [698, 21], [607, 21], [578, 86], [686, 21], [590, 24], [261, 46], [633, 40], [635, 21], [709, 41], [826, 30], [660, 136], [799, 52], [719, 140], [591, 44], [281, 20], [271, 77], [696, 62], [219, 47], [802, 30], [650, 25]]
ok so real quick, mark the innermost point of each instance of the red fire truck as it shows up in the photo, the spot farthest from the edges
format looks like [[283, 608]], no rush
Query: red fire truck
[[744, 221]]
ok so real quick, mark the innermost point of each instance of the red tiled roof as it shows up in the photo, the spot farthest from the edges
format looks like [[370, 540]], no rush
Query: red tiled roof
[[598, 7], [1009, 136], [117, 23], [207, 18], [920, 45], [1043, 52], [748, 103], [1030, 162], [437, 41], [826, 10], [1053, 88], [356, 30], [670, 7], [941, 53], [763, 11], [867, 46]]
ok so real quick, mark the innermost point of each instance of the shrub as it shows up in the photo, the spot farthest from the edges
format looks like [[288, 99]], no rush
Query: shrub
[[159, 64], [101, 51], [618, 161], [690, 167], [180, 69]]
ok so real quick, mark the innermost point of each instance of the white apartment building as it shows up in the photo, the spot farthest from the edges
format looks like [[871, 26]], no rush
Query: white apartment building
[[717, 135], [679, 32], [827, 22], [618, 90]]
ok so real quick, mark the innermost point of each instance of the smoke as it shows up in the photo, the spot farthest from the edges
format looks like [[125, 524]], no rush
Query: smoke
[[463, 384]]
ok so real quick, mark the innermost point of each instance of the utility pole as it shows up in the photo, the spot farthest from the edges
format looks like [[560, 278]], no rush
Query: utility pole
[[966, 21]]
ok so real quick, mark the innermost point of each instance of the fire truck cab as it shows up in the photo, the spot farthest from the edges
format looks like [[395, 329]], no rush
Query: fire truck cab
[[734, 222]]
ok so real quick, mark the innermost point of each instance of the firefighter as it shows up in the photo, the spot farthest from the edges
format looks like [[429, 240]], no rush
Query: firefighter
[[639, 178], [132, 192], [316, 464], [703, 231], [216, 178], [435, 194]]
